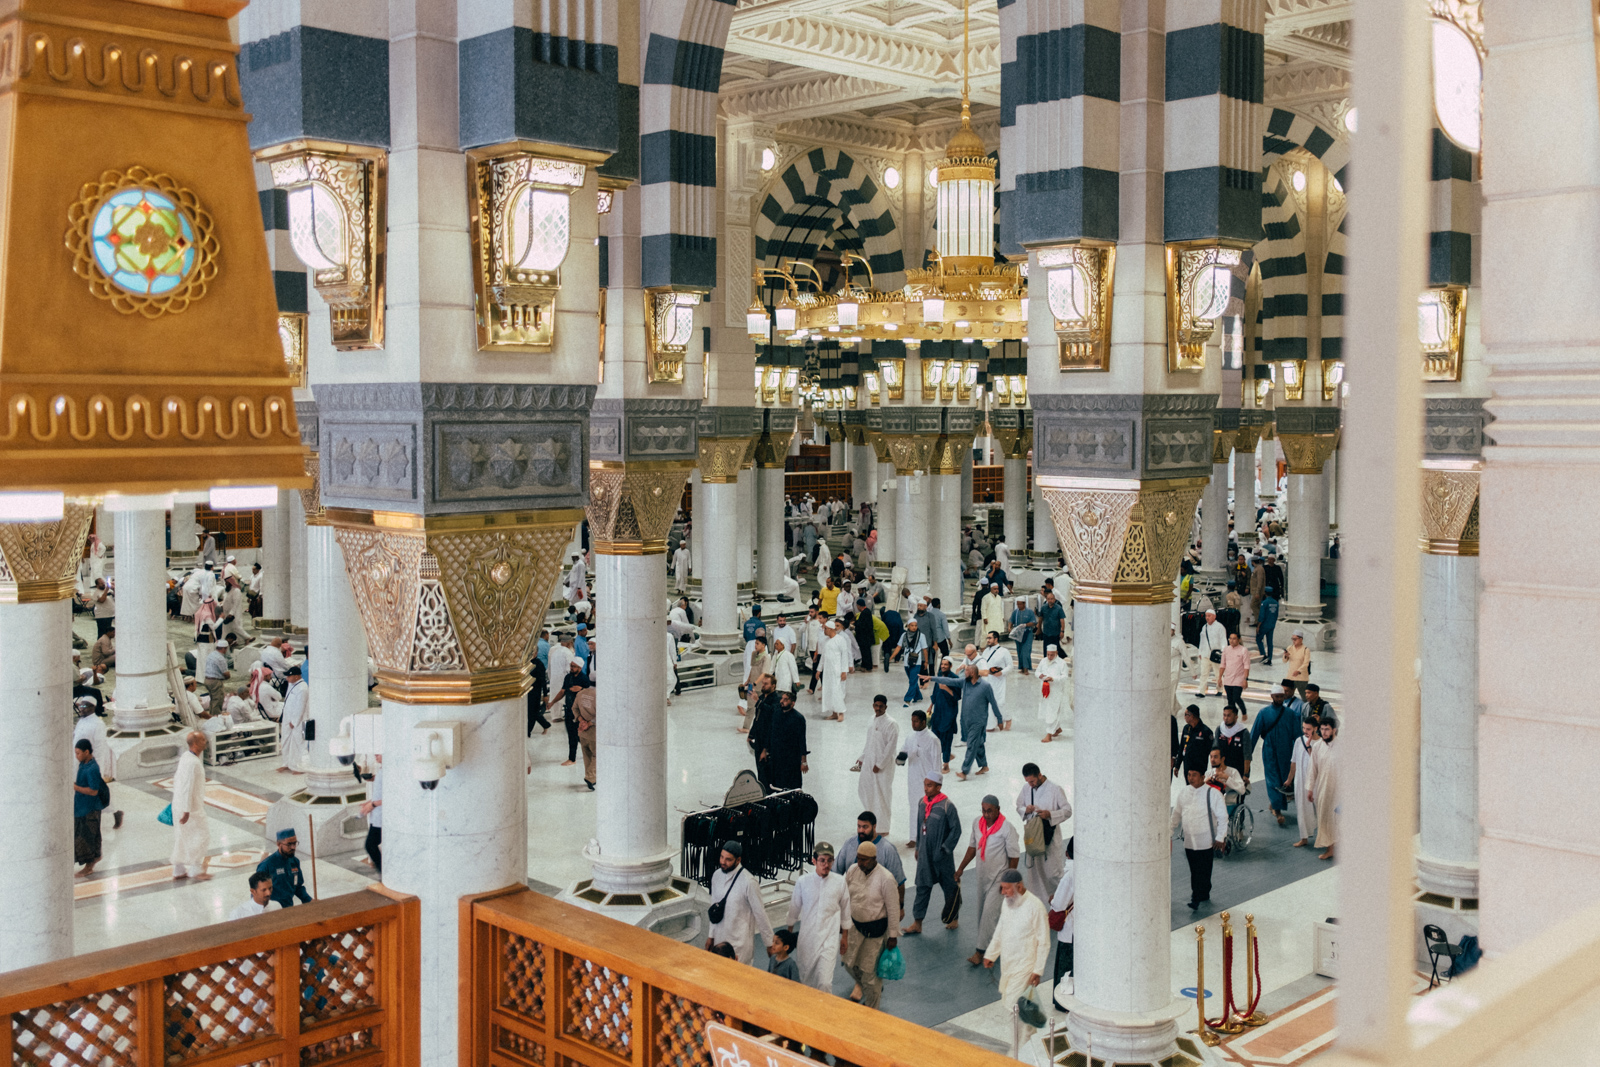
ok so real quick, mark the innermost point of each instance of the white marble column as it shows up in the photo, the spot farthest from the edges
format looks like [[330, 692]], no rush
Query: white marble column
[[835, 455], [770, 563], [1124, 1005], [944, 540], [141, 621], [912, 503], [1244, 496], [36, 737], [299, 595], [184, 530], [633, 854], [745, 547], [1046, 546], [718, 534], [888, 527], [1308, 540], [467, 835], [1267, 468], [863, 476], [337, 649], [1330, 479], [1015, 508], [105, 526], [275, 538], [968, 511], [1447, 855], [1214, 528], [697, 502]]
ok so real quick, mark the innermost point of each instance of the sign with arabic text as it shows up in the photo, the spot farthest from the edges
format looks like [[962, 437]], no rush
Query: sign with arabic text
[[730, 1048]]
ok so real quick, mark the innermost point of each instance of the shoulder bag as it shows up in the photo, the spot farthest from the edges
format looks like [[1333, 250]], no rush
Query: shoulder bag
[[720, 908]]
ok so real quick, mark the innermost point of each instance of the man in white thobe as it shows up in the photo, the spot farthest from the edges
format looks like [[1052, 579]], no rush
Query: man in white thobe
[[742, 911], [576, 579], [993, 612], [680, 567], [1022, 945], [921, 756], [876, 764], [835, 668], [1055, 672], [1213, 638], [291, 733], [821, 907], [993, 663], [1043, 799], [1002, 554], [192, 834], [678, 623]]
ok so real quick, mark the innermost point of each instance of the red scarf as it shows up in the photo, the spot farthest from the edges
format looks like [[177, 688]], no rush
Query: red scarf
[[929, 802], [986, 828]]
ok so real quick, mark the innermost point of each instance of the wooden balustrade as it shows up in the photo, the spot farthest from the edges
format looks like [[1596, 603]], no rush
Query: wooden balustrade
[[546, 984], [326, 984]]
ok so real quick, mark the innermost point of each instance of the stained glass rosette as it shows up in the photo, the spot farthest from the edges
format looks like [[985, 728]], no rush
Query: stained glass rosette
[[143, 242]]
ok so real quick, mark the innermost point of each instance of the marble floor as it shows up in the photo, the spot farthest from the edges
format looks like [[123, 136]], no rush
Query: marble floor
[[132, 897]]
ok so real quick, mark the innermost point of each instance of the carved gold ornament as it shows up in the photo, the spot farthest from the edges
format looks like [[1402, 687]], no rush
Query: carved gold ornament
[[292, 332], [521, 228], [772, 449], [722, 457], [142, 242], [631, 506], [668, 332], [1015, 441], [40, 559], [451, 604], [1441, 331], [1307, 452], [948, 452], [1450, 511], [1199, 287], [338, 222], [1222, 445], [1122, 541], [1078, 288], [910, 452]]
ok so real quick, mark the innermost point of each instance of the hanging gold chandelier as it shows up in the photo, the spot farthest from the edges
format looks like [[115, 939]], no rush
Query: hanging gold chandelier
[[964, 296]]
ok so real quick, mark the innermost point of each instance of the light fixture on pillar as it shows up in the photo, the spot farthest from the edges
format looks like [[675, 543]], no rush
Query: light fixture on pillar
[[1294, 380], [1332, 378], [668, 329], [1265, 376], [1199, 287], [1458, 54], [521, 228], [338, 219], [1441, 321], [1078, 284], [292, 335]]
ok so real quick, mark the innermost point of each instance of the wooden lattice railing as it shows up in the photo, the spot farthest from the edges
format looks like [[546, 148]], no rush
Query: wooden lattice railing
[[546, 984], [326, 984]]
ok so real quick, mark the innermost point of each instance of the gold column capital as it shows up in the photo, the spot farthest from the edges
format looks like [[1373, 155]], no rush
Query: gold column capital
[[1450, 510], [1014, 441], [452, 603], [1122, 540], [948, 451], [910, 452], [39, 560], [632, 505], [311, 495], [1307, 452], [1246, 437], [1222, 445], [722, 457], [880, 446], [772, 450]]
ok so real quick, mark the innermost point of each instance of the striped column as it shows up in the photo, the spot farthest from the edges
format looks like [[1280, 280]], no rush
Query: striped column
[[1060, 87], [678, 144]]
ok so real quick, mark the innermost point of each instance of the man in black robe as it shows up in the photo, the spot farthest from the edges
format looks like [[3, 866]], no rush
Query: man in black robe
[[785, 742], [1194, 744]]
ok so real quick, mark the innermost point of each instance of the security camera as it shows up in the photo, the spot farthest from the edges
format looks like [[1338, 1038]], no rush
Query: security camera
[[342, 746], [435, 747]]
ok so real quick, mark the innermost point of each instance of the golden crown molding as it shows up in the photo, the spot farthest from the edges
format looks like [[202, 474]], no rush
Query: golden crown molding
[[311, 495], [1450, 512], [1015, 442], [632, 505], [722, 457], [1246, 438], [1122, 541], [948, 452], [1222, 445], [910, 452], [772, 450], [451, 607], [1307, 452], [40, 559]]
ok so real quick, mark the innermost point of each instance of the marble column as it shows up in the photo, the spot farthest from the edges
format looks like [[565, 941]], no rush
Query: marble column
[[717, 530], [1330, 475], [1244, 488], [745, 546], [863, 476], [336, 645], [275, 538], [835, 454], [36, 736], [944, 521], [1046, 554], [1123, 1005], [912, 505], [1308, 436], [884, 560], [185, 542], [1016, 506], [1267, 471], [1214, 528], [105, 527], [697, 502], [771, 566], [967, 510], [141, 701], [299, 594]]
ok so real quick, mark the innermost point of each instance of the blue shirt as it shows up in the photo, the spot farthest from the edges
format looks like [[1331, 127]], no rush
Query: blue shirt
[[288, 884], [543, 655], [751, 625], [580, 648], [88, 777]]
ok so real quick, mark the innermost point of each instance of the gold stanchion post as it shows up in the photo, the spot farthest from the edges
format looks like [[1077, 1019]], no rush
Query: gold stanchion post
[[1203, 1032], [1251, 1017]]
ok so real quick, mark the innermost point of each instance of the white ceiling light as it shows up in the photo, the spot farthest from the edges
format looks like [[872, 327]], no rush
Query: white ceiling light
[[769, 159], [933, 177], [1350, 120], [891, 177], [1299, 181]]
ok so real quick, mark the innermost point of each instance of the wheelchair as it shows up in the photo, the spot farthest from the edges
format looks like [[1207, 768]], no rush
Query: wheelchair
[[1241, 826]]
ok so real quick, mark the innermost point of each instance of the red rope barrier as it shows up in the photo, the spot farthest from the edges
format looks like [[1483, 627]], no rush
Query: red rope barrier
[[1226, 1018], [1255, 945]]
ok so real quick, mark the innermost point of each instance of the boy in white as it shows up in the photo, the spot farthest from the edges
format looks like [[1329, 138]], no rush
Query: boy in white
[[1305, 812], [821, 906]]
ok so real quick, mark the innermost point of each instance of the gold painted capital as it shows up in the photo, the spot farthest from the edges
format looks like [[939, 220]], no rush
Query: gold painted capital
[[1222, 445], [632, 505], [1307, 452], [722, 457], [1246, 438], [1450, 511], [948, 451], [772, 450], [451, 604], [39, 560], [1014, 442], [910, 452], [880, 446], [311, 496], [1122, 540]]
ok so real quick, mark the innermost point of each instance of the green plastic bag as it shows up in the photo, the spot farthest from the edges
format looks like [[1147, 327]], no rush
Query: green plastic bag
[[891, 965]]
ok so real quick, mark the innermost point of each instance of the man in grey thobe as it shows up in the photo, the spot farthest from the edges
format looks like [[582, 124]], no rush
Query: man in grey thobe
[[938, 834]]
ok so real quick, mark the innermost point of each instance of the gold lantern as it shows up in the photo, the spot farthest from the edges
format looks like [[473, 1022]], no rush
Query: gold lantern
[[1078, 284], [1199, 286]]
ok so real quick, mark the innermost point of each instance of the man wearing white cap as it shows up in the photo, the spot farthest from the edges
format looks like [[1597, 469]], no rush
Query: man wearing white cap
[[192, 834], [993, 618], [820, 907], [1213, 639], [877, 763], [1055, 690], [834, 668], [1022, 941], [1298, 657]]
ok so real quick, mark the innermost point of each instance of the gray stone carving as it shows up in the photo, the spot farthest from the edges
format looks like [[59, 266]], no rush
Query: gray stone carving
[[1122, 435], [1453, 427]]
